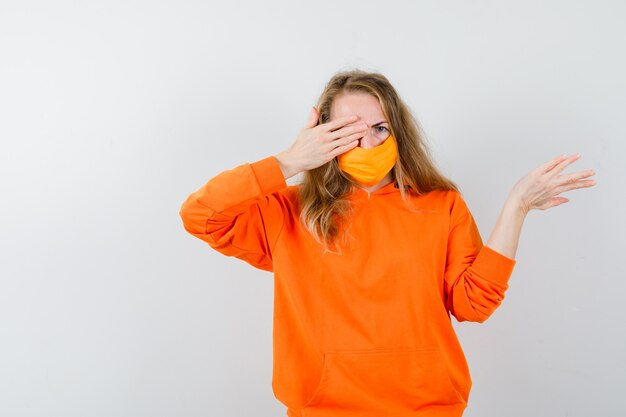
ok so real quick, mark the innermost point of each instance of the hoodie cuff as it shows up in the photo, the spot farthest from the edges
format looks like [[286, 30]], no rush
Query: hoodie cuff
[[493, 266], [269, 175]]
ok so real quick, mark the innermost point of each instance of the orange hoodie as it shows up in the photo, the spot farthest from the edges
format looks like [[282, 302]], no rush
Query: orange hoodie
[[366, 333]]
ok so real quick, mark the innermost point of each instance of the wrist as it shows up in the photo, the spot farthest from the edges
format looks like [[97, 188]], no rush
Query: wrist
[[516, 205], [286, 164]]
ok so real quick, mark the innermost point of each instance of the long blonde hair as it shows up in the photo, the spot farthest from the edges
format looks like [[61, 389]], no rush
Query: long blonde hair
[[323, 189]]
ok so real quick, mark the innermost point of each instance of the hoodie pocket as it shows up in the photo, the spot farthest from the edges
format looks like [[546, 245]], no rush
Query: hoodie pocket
[[381, 380]]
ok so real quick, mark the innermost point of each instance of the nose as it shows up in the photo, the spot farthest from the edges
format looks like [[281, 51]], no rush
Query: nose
[[370, 138]]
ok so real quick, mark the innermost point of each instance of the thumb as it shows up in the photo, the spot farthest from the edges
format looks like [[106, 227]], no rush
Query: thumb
[[313, 118]]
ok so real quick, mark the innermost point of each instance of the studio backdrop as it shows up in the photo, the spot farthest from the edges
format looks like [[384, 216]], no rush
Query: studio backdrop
[[113, 112]]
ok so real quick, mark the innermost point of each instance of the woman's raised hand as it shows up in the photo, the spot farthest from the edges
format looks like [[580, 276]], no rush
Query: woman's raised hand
[[540, 188], [315, 145]]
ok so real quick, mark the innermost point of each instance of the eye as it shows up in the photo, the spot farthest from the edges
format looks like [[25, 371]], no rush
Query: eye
[[382, 127]]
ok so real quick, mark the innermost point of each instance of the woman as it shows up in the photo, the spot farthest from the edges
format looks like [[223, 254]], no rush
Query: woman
[[371, 253]]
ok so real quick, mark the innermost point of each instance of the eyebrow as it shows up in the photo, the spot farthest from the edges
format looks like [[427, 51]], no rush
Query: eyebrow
[[379, 123]]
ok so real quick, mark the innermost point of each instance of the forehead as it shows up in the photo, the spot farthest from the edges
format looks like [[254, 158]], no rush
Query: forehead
[[364, 105]]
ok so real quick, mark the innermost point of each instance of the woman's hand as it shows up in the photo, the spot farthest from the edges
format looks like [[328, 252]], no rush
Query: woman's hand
[[541, 187], [315, 145]]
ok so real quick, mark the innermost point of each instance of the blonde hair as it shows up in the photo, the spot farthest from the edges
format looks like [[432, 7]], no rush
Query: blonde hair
[[322, 193]]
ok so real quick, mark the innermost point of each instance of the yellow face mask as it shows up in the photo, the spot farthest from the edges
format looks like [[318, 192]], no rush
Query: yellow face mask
[[369, 166]]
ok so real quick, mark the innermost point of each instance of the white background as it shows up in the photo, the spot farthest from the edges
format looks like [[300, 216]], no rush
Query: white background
[[113, 112]]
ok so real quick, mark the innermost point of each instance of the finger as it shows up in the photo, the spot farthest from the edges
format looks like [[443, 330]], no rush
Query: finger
[[342, 121], [343, 148], [551, 164], [359, 129], [312, 119], [553, 202], [557, 201], [564, 163], [346, 140], [571, 178], [573, 186]]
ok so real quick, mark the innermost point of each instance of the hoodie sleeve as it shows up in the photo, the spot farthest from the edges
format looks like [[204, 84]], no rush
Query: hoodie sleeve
[[238, 212], [476, 276]]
